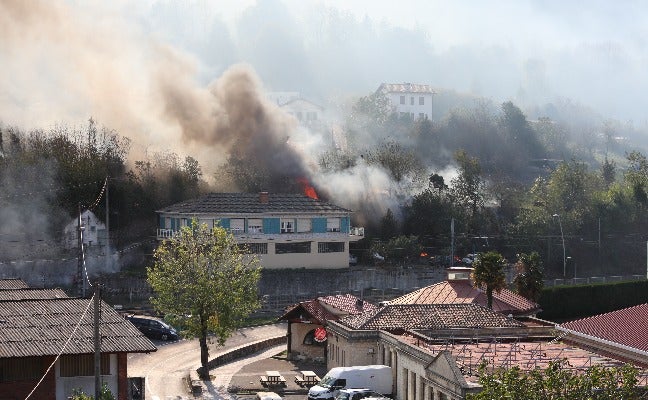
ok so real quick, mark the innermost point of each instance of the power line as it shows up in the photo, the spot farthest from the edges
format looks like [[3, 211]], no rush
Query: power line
[[62, 349]]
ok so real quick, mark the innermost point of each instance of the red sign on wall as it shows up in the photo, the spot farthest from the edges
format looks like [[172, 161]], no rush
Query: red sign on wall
[[320, 335]]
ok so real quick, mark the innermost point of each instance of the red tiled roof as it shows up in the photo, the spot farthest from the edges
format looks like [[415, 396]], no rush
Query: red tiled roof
[[338, 306], [429, 316], [405, 88], [462, 291], [42, 327], [347, 304], [628, 327]]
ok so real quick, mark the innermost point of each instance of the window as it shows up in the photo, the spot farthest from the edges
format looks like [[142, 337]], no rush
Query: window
[[287, 226], [293, 247], [257, 248], [311, 116], [237, 225], [255, 225], [304, 225], [330, 247], [421, 101], [83, 365], [20, 369], [421, 115], [299, 115], [333, 225], [402, 99], [412, 100]]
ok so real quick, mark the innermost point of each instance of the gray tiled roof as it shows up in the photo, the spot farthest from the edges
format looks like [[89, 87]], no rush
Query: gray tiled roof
[[32, 294], [41, 327], [12, 283], [429, 316], [248, 203]]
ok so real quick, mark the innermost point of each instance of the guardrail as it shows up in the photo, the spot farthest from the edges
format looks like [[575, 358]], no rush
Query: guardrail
[[592, 279]]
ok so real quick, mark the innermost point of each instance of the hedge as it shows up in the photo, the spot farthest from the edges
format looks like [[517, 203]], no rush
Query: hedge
[[561, 303]]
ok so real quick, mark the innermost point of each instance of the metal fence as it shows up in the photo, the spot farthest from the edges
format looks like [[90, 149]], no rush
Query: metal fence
[[592, 279]]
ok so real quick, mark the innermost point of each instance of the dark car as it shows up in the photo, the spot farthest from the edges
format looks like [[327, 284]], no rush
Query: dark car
[[153, 328]]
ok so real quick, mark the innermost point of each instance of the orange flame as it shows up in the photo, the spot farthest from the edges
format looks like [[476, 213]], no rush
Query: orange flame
[[424, 254], [309, 191]]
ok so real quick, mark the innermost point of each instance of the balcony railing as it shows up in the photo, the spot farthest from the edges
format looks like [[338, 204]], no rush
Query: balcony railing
[[355, 233]]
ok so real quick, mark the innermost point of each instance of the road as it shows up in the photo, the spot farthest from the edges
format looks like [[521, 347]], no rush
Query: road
[[165, 369]]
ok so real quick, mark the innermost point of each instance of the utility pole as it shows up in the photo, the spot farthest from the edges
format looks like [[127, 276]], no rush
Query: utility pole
[[451, 242], [107, 248], [97, 340], [80, 278]]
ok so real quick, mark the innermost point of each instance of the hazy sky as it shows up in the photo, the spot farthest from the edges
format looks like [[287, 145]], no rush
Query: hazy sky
[[66, 60]]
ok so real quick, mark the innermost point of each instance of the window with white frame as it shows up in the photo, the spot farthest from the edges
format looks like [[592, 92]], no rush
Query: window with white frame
[[333, 225], [421, 101], [255, 225], [304, 225], [421, 115], [412, 101], [402, 99], [237, 225], [287, 225]]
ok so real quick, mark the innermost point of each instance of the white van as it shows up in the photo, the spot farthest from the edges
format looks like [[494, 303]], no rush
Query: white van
[[375, 377]]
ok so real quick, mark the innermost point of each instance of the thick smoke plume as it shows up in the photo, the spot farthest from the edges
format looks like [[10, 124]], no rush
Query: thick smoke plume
[[70, 63]]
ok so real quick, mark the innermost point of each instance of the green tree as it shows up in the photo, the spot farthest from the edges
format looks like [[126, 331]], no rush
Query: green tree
[[104, 394], [557, 381], [204, 278], [388, 225], [488, 273], [528, 281], [468, 190]]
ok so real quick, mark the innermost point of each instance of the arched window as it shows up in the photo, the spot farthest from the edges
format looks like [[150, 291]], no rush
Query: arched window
[[309, 339]]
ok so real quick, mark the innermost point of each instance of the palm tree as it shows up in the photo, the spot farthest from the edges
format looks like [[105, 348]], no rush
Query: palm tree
[[489, 272], [528, 281]]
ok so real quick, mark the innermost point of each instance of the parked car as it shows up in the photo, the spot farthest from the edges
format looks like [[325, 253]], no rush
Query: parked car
[[358, 394], [267, 396], [153, 328]]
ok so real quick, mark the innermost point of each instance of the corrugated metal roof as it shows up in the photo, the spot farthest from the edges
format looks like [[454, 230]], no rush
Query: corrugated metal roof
[[31, 294], [12, 283], [628, 327], [41, 327], [462, 291], [429, 316], [249, 203]]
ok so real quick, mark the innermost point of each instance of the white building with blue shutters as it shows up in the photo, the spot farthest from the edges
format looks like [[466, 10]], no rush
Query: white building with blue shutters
[[284, 230]]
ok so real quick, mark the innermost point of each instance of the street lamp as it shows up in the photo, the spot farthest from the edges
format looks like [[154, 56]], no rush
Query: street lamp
[[563, 245]]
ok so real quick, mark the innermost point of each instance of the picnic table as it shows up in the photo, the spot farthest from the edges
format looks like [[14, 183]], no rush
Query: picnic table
[[307, 378], [273, 378]]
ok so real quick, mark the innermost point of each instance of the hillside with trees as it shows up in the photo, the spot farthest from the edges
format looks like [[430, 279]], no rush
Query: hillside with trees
[[510, 184]]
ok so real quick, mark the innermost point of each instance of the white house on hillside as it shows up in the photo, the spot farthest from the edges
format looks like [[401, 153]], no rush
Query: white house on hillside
[[408, 99], [305, 111], [94, 231]]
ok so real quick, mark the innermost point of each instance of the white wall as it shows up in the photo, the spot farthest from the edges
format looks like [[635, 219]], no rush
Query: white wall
[[65, 386], [416, 109]]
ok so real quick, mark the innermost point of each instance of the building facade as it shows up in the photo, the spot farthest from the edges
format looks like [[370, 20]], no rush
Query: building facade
[[415, 101], [283, 230]]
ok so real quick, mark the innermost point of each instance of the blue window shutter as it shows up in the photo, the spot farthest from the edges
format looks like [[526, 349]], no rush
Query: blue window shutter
[[344, 224], [173, 224], [223, 223], [161, 223], [271, 225], [319, 225]]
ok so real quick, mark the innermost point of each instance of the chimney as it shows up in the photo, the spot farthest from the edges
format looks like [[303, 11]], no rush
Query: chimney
[[263, 197]]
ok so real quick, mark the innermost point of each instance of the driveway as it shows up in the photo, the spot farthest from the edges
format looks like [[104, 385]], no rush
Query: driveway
[[165, 369]]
